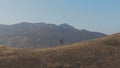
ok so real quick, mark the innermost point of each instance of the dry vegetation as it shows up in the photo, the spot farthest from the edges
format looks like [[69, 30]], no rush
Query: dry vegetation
[[98, 53]]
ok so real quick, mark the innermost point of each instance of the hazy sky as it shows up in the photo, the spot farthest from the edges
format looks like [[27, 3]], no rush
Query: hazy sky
[[94, 15]]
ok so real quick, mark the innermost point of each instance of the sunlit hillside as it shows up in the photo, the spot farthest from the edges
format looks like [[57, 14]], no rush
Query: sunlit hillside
[[99, 53]]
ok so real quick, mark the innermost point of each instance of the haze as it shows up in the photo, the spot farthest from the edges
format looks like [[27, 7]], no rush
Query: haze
[[95, 15]]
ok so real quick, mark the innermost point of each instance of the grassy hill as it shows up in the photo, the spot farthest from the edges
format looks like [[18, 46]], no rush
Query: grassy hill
[[99, 53]]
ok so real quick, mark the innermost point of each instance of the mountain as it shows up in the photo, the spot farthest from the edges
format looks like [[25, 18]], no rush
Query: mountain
[[34, 35], [98, 53]]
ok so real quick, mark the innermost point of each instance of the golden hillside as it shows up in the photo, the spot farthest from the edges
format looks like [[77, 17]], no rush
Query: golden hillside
[[99, 53]]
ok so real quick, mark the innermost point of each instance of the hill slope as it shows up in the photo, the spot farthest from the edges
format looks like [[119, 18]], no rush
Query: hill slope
[[34, 35], [98, 53]]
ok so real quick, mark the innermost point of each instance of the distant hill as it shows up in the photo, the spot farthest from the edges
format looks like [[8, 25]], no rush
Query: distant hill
[[98, 53], [34, 35]]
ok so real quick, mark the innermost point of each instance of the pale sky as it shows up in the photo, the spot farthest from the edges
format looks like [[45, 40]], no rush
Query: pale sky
[[94, 15]]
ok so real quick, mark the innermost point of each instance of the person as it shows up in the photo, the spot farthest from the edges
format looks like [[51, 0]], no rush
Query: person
[[61, 41]]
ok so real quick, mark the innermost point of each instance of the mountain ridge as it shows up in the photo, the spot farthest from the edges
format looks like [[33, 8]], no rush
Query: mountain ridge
[[34, 35]]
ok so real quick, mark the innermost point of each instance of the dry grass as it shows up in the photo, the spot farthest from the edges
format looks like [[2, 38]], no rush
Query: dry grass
[[98, 53]]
